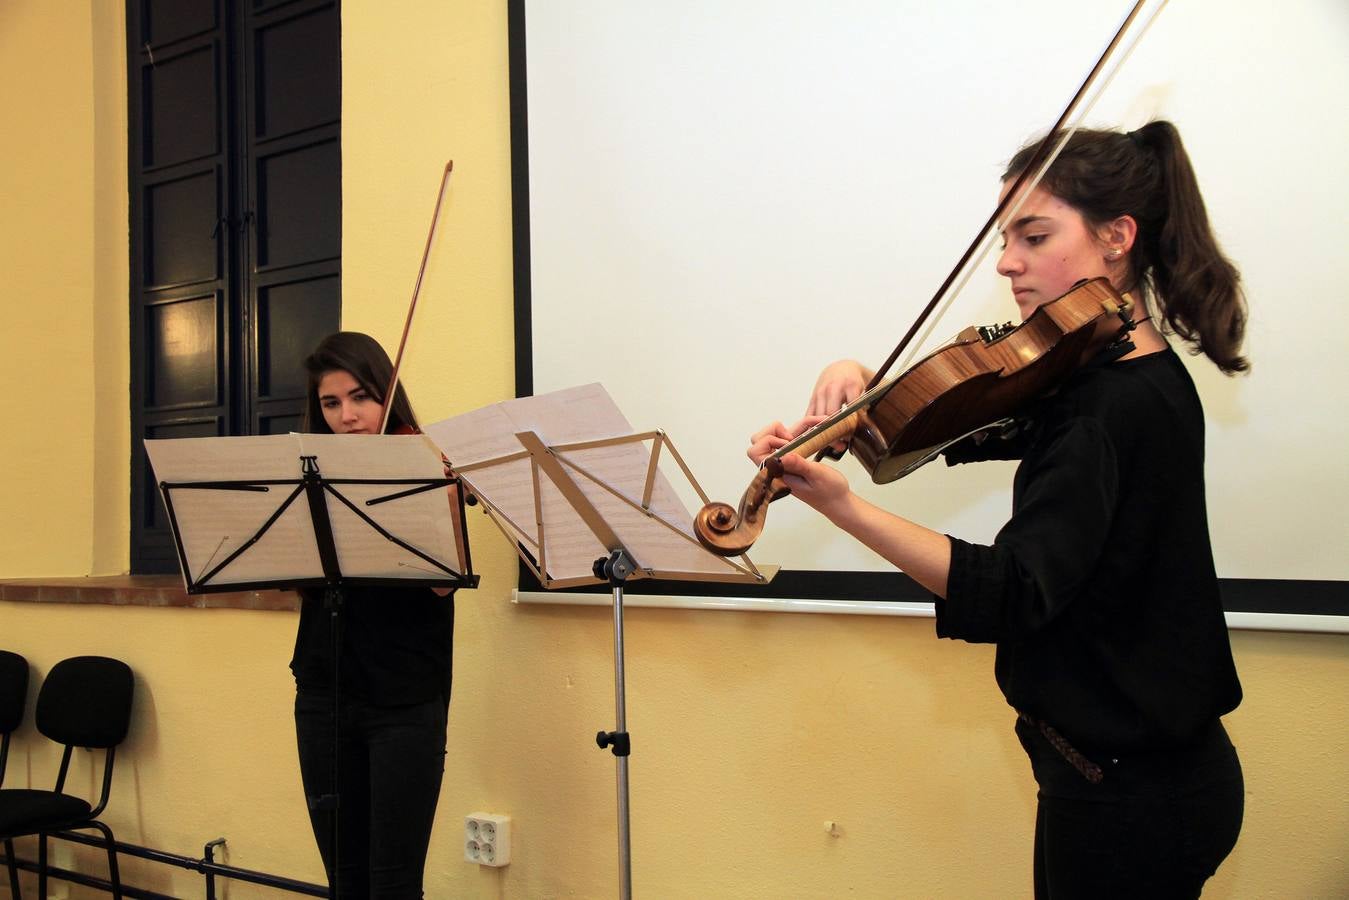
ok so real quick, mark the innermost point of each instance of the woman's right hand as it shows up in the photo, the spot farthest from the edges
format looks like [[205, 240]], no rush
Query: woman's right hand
[[839, 384]]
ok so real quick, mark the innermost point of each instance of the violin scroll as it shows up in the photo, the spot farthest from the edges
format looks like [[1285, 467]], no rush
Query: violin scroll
[[728, 531]]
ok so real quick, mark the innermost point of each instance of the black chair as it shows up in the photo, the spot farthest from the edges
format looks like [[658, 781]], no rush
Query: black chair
[[85, 701], [13, 698]]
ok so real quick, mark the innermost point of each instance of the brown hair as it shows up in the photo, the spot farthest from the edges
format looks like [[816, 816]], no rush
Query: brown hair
[[365, 360], [1147, 174]]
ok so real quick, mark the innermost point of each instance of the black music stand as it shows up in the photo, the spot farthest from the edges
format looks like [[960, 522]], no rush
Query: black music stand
[[588, 506], [332, 540]]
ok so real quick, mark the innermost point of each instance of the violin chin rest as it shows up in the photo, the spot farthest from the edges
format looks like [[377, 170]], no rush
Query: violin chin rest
[[896, 467], [893, 468]]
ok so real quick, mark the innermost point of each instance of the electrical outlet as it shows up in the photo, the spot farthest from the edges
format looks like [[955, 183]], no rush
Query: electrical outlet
[[487, 839]]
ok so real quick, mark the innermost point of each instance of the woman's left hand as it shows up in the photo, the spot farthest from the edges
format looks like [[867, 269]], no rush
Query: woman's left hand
[[769, 438]]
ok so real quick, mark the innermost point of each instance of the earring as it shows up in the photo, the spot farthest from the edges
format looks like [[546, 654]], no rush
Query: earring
[[1113, 253]]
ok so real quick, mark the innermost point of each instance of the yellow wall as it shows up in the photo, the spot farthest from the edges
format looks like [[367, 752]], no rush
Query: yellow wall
[[47, 261], [750, 730]]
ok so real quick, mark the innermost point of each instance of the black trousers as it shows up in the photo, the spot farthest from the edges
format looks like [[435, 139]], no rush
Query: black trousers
[[1156, 826], [390, 764]]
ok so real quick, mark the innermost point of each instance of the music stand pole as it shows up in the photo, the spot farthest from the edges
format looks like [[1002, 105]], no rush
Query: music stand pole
[[615, 569], [333, 597]]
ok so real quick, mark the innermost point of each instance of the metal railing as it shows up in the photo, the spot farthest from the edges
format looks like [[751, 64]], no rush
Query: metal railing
[[207, 866]]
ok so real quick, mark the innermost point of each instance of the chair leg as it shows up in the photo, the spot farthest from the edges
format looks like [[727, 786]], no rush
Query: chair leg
[[13, 870], [112, 859], [42, 866]]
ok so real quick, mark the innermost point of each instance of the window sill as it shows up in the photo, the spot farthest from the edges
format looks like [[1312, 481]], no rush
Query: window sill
[[139, 590]]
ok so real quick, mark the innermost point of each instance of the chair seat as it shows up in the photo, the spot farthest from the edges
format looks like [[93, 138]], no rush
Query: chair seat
[[24, 811]]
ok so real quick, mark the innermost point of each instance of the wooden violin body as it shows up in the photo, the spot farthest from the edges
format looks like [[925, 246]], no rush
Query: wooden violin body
[[982, 377]]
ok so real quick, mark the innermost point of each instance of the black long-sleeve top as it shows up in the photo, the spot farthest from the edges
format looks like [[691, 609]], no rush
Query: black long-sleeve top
[[397, 645], [1100, 591]]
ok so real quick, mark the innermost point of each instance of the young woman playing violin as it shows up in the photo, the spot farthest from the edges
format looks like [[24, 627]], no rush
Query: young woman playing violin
[[396, 647], [1100, 590]]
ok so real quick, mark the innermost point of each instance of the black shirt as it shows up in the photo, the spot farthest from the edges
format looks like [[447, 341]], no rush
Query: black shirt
[[1100, 592], [397, 645]]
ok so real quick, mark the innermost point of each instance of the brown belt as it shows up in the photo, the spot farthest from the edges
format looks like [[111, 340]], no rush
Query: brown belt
[[1089, 769]]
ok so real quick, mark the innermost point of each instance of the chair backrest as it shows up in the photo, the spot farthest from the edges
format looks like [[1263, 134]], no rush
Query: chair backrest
[[13, 697], [13, 690], [85, 701]]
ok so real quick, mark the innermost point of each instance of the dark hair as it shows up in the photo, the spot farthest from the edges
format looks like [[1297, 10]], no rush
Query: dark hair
[[1147, 174], [365, 360]]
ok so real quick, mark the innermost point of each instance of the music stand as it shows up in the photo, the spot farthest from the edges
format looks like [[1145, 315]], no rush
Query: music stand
[[602, 512], [371, 514]]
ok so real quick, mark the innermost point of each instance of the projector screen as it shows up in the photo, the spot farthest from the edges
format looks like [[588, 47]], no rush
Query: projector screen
[[713, 200]]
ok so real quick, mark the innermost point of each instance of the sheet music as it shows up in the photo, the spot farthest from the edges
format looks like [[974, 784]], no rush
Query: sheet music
[[565, 541], [214, 523], [421, 520]]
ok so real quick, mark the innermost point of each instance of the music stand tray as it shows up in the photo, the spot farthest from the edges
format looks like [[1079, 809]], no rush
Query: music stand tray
[[568, 481], [310, 510]]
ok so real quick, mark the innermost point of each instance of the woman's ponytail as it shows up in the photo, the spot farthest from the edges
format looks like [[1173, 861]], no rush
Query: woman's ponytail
[[1147, 174], [1200, 289]]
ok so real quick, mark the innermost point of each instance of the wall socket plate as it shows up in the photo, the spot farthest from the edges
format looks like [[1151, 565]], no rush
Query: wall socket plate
[[487, 839]]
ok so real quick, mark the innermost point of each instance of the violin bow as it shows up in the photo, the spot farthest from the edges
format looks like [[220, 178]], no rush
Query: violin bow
[[1044, 156], [416, 291]]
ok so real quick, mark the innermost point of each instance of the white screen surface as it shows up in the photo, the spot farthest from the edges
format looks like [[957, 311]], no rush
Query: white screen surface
[[724, 197]]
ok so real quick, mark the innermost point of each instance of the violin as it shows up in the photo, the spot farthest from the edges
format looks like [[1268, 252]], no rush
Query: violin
[[974, 384], [983, 377]]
